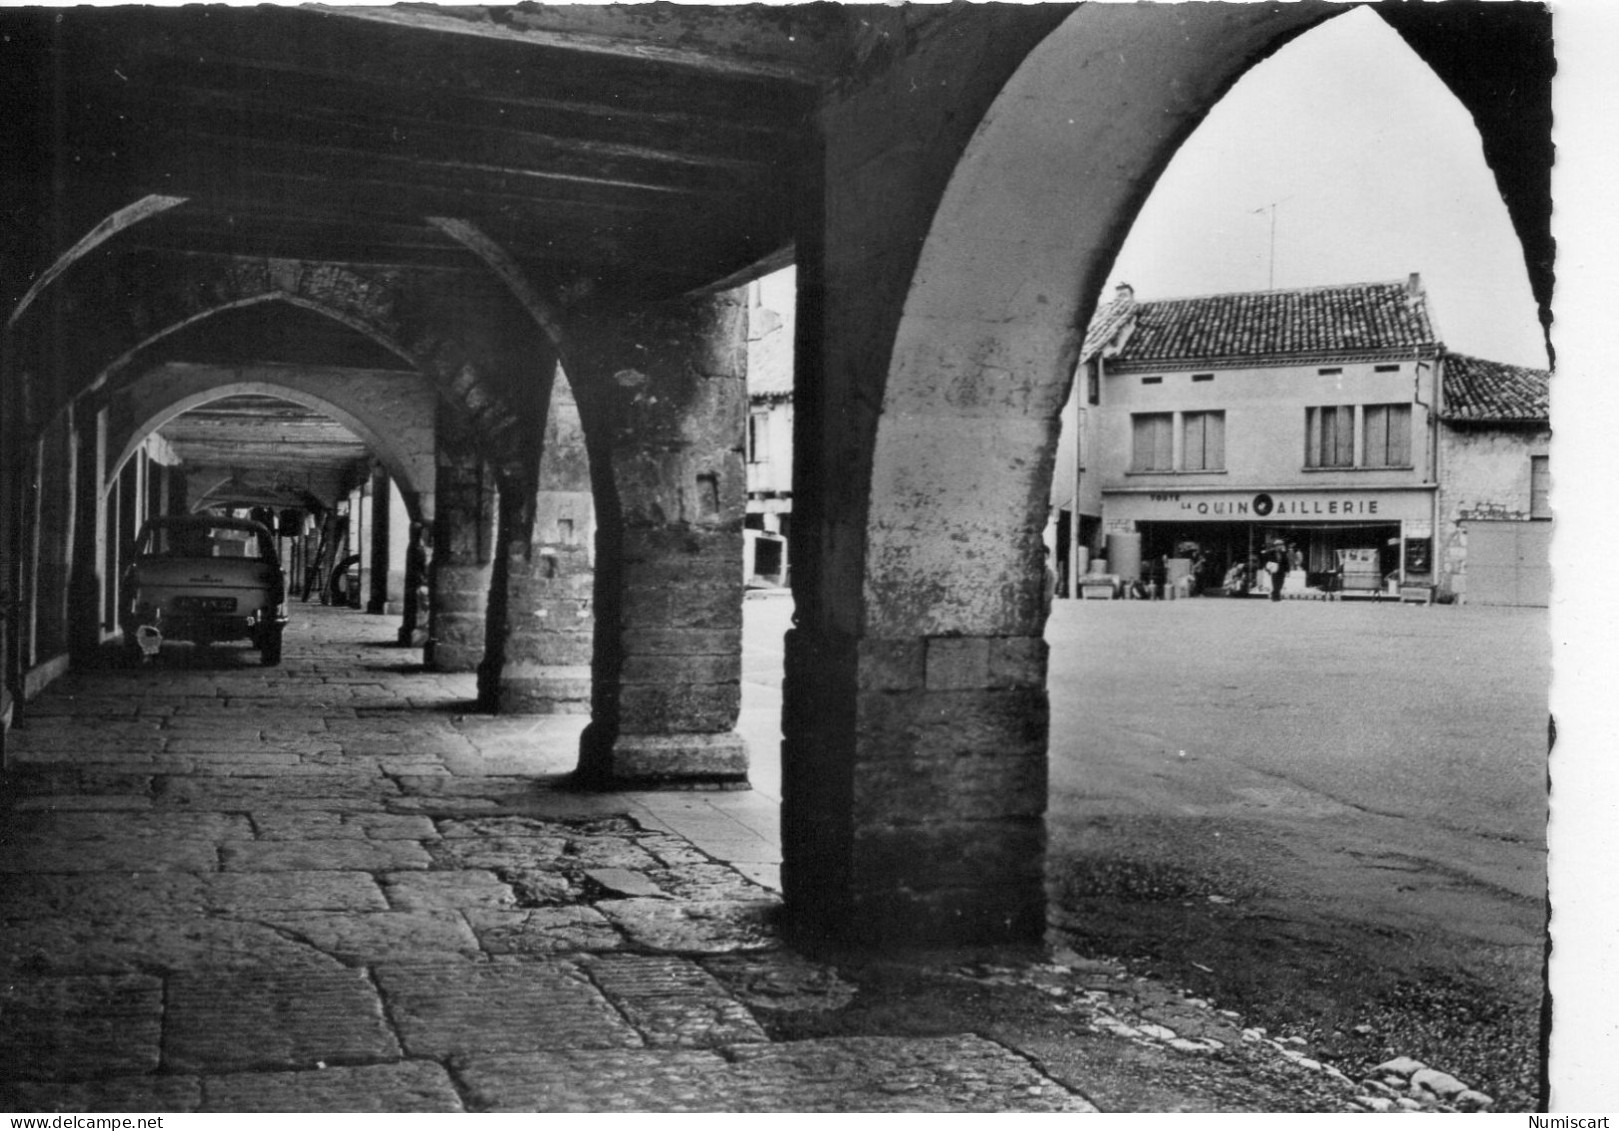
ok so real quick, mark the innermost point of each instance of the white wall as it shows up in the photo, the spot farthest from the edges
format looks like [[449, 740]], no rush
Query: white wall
[[1264, 423]]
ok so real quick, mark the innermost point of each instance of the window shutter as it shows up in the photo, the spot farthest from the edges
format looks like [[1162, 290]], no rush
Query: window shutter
[[1141, 443], [1377, 436], [1192, 452], [1164, 449], [1344, 437], [1400, 435]]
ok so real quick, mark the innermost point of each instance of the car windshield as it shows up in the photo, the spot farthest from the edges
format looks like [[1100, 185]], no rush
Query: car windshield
[[206, 540]]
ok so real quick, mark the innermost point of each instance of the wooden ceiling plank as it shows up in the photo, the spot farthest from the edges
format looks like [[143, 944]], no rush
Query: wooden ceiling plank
[[733, 42], [293, 47]]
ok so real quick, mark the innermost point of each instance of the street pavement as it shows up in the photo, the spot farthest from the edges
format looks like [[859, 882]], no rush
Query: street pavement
[[1332, 813], [333, 886]]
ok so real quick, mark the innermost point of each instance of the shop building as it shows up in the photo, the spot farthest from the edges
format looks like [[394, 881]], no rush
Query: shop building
[[1221, 425]]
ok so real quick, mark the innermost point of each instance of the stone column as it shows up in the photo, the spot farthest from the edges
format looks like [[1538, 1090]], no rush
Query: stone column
[[416, 602], [667, 386], [914, 705], [459, 578], [546, 580], [381, 494], [399, 536], [87, 586]]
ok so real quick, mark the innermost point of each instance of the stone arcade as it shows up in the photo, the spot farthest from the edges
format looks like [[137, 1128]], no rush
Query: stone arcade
[[446, 228]]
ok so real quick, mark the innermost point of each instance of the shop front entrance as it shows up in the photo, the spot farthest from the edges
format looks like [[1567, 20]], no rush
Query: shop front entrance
[[1224, 557], [1349, 542]]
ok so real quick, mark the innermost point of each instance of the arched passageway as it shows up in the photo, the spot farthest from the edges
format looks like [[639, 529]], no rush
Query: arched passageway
[[916, 703], [952, 184]]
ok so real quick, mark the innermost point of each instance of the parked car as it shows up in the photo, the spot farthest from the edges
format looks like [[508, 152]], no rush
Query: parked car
[[204, 578]]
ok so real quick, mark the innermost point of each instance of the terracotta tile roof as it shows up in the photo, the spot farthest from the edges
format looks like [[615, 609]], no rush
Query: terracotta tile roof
[[1104, 324], [1481, 390], [1355, 318]]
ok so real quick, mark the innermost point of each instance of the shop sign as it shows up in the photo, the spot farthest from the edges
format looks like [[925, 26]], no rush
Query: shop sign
[[1312, 506], [1267, 506]]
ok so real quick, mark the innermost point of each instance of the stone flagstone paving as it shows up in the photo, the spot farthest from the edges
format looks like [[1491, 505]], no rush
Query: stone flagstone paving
[[236, 888]]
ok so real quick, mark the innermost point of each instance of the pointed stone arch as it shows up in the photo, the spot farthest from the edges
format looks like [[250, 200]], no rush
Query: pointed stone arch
[[914, 761], [403, 444]]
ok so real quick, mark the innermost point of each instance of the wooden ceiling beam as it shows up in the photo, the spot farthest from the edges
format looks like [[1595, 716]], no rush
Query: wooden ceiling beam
[[792, 46], [272, 49]]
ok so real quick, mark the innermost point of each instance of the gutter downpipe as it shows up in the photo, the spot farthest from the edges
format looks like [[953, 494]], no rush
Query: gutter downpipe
[[1433, 460], [1438, 489], [1083, 404]]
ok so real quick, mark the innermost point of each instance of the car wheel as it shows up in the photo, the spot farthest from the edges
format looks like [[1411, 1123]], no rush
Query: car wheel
[[270, 647]]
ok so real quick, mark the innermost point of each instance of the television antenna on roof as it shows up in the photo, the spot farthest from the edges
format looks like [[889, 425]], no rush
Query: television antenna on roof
[[1271, 208]]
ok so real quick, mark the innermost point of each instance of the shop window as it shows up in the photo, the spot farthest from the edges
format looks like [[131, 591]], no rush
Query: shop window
[[1153, 442], [1540, 486], [1388, 435], [1329, 436], [758, 437], [1203, 447]]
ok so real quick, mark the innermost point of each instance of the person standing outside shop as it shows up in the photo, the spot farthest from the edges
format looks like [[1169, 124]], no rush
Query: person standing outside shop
[[1280, 561]]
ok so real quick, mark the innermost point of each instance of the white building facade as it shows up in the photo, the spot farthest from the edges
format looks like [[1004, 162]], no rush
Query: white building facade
[[769, 442], [1208, 429]]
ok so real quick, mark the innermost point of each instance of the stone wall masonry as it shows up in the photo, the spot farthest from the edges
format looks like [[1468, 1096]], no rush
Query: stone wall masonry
[[818, 745], [1008, 722], [88, 584], [936, 763], [904, 686], [982, 913], [967, 786], [546, 638], [668, 388], [1484, 474], [945, 282], [549, 628], [551, 631], [461, 566]]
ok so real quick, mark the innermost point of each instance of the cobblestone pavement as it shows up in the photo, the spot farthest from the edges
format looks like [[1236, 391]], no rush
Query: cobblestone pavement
[[330, 886]]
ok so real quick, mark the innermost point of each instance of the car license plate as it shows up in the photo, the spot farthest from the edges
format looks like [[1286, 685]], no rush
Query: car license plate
[[208, 604]]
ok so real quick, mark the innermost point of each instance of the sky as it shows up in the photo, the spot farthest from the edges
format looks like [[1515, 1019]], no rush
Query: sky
[[1375, 170]]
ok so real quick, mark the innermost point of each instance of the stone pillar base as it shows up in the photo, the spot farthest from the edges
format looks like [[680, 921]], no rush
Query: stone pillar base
[[914, 789], [441, 657], [662, 761], [560, 690]]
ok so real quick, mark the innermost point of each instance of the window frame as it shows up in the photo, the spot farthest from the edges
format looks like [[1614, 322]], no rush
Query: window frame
[[1392, 455], [758, 437], [1316, 439], [1201, 419], [1540, 486], [1162, 442]]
